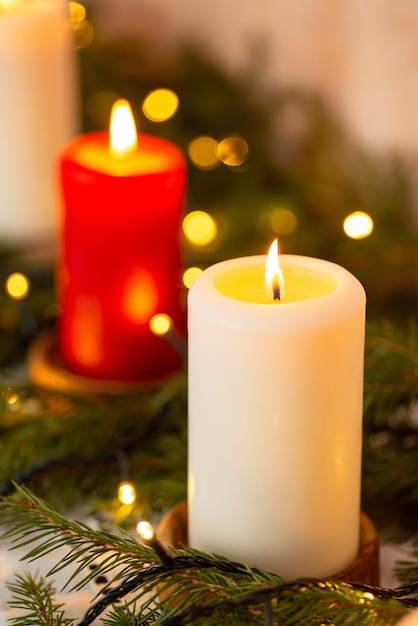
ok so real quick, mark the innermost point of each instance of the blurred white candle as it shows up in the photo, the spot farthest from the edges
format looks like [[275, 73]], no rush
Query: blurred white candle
[[275, 415], [38, 114]]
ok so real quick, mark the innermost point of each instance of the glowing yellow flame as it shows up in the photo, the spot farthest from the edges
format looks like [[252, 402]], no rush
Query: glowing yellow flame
[[17, 286], [190, 276], [358, 225], [159, 105], [200, 228], [127, 493], [123, 136], [145, 530], [274, 276], [161, 324]]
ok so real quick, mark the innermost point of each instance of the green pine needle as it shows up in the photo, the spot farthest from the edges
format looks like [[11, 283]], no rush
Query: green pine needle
[[33, 596], [200, 588]]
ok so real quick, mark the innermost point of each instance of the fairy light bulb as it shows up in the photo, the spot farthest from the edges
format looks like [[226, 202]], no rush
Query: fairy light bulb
[[145, 530], [17, 286], [126, 493], [358, 225], [200, 228], [190, 276], [161, 104], [161, 324]]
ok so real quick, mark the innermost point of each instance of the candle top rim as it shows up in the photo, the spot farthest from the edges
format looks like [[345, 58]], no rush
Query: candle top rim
[[154, 155], [347, 297]]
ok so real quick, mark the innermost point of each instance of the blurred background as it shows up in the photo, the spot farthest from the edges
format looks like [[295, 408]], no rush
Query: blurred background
[[298, 121], [360, 57], [321, 94]]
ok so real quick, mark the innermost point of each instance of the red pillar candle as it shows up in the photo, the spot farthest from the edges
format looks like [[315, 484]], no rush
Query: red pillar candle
[[120, 262]]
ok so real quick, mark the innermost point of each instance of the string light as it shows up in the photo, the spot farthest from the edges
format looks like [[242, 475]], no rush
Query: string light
[[232, 151], [77, 12], [11, 397], [358, 225], [203, 152], [161, 324], [161, 104], [146, 531], [190, 275], [83, 32], [200, 228], [127, 493], [17, 286]]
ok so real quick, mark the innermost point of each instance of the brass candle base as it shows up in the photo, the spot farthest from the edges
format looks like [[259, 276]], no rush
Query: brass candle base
[[173, 531], [46, 369]]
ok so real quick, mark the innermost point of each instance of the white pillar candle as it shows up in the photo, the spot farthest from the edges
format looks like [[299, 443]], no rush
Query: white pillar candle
[[38, 114], [275, 415]]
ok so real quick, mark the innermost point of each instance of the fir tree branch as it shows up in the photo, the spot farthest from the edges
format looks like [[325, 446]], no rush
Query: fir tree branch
[[34, 596], [292, 604], [142, 432], [201, 587], [28, 519]]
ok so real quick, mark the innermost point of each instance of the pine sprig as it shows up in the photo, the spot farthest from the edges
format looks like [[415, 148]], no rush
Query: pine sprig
[[189, 586], [391, 368], [33, 596], [49, 440], [390, 431], [29, 520]]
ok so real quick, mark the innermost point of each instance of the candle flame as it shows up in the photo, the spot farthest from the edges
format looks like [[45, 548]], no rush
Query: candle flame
[[274, 276], [123, 135]]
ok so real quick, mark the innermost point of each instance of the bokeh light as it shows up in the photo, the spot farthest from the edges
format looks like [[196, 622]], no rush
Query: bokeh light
[[199, 228], [203, 152], [358, 225], [283, 221], [145, 530], [11, 397], [161, 324], [190, 276], [159, 105], [127, 493], [17, 286], [232, 151], [83, 32], [77, 12]]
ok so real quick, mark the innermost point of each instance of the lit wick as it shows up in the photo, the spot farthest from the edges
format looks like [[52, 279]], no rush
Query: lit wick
[[276, 289], [274, 276]]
